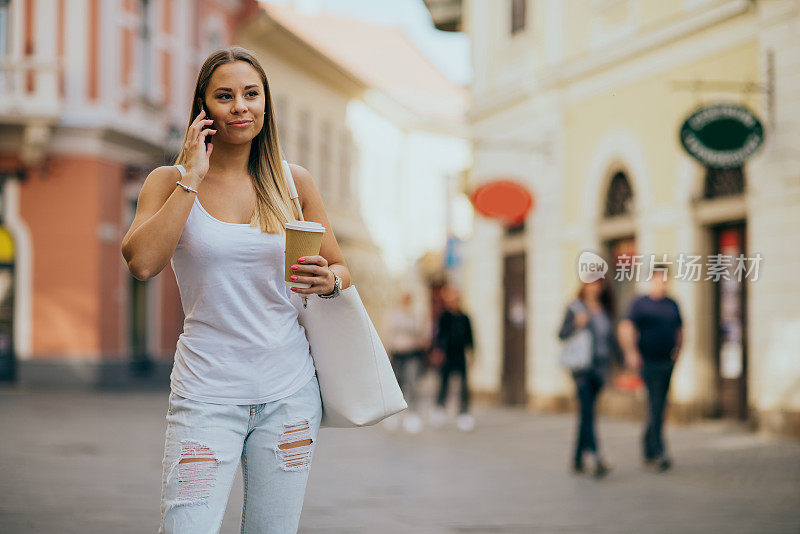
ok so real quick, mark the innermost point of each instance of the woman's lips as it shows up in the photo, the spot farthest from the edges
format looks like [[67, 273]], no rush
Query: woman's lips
[[240, 124]]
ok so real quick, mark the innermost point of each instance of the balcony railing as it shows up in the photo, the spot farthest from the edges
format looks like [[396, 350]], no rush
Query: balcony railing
[[29, 88]]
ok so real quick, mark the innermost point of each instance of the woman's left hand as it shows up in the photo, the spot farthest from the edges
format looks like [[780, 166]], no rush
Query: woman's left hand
[[313, 270]]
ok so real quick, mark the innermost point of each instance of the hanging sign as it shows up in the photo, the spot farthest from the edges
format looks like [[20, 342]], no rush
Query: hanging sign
[[503, 199], [722, 136]]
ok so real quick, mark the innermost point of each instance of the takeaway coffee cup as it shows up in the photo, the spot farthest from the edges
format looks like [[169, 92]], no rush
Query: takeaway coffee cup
[[303, 238]]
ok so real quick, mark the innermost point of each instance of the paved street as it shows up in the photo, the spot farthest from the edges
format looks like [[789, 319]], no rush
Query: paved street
[[91, 463]]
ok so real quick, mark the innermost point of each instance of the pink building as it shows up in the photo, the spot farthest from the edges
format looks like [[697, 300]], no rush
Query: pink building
[[95, 94]]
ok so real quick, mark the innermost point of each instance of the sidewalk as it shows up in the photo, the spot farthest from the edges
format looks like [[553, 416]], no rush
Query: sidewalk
[[91, 463]]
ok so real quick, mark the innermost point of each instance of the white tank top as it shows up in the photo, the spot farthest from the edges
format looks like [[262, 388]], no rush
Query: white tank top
[[241, 341]]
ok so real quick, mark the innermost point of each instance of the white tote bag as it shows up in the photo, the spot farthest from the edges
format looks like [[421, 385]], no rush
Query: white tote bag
[[576, 350], [356, 380]]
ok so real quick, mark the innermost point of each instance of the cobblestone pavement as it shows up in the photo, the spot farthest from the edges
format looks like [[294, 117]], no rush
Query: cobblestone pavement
[[91, 463]]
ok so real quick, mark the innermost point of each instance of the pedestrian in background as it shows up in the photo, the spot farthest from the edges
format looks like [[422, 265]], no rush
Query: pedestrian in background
[[651, 336], [592, 309], [453, 338], [407, 341]]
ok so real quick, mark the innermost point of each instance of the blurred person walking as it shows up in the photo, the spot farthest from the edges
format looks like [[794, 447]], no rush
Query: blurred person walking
[[593, 309], [243, 384], [406, 345], [651, 336], [453, 337]]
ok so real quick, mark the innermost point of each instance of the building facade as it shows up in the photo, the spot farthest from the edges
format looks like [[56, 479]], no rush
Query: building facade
[[410, 139], [96, 94], [583, 103]]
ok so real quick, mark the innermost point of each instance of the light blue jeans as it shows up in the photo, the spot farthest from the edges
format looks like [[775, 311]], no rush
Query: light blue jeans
[[204, 444]]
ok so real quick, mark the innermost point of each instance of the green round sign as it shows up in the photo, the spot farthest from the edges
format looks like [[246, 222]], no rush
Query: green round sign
[[722, 136]]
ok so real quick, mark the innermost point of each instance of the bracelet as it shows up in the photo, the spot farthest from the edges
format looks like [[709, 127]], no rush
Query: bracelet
[[182, 170], [337, 285], [186, 187]]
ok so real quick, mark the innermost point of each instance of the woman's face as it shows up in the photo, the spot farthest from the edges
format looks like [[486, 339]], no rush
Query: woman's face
[[594, 289], [235, 99]]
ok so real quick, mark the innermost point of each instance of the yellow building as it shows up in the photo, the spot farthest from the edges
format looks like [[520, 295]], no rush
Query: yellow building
[[584, 103]]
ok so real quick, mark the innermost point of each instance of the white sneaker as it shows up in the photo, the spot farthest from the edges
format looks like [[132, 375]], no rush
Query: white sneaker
[[465, 422], [437, 417], [413, 423]]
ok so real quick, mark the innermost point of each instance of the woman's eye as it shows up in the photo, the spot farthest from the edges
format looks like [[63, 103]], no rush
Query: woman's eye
[[254, 93]]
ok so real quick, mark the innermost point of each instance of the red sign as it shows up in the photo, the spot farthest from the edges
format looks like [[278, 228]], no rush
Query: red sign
[[503, 199]]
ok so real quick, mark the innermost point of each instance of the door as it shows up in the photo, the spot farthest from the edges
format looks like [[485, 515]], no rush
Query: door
[[730, 325], [621, 252], [514, 319], [8, 360], [138, 320]]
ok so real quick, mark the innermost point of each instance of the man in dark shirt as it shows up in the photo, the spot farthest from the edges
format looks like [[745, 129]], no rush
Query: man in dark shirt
[[651, 336], [453, 337]]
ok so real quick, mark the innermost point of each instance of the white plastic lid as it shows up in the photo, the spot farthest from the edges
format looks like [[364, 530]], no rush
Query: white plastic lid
[[305, 226]]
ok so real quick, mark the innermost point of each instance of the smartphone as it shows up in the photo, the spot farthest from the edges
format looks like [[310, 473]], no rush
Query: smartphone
[[207, 116]]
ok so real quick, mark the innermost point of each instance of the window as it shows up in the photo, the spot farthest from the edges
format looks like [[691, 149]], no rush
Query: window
[[3, 38], [4, 27], [146, 37], [3, 179], [215, 34], [518, 15], [325, 156], [723, 182], [516, 229], [619, 199], [281, 113], [345, 166], [304, 139]]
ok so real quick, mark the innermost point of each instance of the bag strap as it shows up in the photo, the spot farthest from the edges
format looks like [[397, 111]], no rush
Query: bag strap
[[287, 173]]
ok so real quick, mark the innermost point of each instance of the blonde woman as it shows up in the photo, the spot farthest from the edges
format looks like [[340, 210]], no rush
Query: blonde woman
[[243, 384]]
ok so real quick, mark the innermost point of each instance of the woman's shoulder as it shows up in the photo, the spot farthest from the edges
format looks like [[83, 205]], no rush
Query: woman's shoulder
[[576, 304], [303, 182], [301, 176]]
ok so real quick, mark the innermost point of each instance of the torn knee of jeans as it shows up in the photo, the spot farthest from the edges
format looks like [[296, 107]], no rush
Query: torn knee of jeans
[[294, 446], [196, 471]]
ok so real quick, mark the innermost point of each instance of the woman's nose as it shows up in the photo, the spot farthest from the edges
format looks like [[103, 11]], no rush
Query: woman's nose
[[239, 105]]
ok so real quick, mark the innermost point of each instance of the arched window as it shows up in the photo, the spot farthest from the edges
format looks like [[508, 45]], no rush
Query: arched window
[[723, 182], [619, 198]]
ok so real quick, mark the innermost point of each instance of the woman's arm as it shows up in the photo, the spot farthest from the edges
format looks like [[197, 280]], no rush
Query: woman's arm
[[163, 206], [567, 325], [315, 269], [627, 336], [161, 213]]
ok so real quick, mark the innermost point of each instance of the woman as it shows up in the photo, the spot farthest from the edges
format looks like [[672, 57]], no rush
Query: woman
[[593, 309], [406, 343], [243, 384]]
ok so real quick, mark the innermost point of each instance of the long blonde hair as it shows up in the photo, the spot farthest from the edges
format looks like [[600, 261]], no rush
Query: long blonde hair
[[273, 202]]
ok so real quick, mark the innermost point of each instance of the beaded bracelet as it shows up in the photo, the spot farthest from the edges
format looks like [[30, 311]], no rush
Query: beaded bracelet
[[182, 170]]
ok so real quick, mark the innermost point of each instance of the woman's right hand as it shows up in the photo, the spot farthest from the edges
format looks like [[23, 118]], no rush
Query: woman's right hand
[[195, 154], [581, 319], [633, 359]]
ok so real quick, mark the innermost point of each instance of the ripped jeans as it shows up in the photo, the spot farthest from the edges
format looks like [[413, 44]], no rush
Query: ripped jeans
[[204, 445]]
